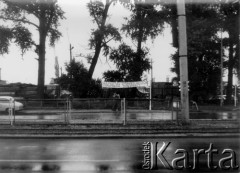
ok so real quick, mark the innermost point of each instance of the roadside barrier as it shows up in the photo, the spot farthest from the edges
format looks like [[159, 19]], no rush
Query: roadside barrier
[[123, 110], [89, 110], [97, 111], [36, 111], [68, 109], [11, 111]]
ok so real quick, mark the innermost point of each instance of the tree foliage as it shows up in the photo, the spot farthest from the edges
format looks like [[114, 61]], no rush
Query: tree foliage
[[205, 22], [103, 34], [129, 68], [77, 81], [20, 16], [204, 47], [229, 15], [6, 35], [145, 21]]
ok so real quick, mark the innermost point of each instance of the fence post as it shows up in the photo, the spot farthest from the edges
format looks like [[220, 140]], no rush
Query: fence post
[[177, 112], [124, 112], [66, 113], [10, 111], [14, 112], [57, 103], [69, 110], [25, 101], [41, 104], [105, 104]]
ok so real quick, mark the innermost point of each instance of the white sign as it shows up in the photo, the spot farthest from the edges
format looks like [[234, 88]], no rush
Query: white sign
[[124, 84]]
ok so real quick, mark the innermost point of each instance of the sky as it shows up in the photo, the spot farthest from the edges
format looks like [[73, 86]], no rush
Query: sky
[[76, 29]]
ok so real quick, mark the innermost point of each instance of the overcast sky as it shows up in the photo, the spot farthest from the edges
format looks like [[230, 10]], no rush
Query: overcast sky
[[76, 30]]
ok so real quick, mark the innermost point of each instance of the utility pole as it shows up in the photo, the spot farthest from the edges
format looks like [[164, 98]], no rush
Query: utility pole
[[235, 95], [238, 38], [221, 84], [183, 62], [71, 48], [150, 90]]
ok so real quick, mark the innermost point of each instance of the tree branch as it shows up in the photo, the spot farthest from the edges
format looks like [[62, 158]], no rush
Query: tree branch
[[20, 20], [105, 42], [26, 8], [50, 20], [95, 18]]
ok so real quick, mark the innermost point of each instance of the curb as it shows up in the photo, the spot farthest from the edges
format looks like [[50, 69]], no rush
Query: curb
[[182, 135]]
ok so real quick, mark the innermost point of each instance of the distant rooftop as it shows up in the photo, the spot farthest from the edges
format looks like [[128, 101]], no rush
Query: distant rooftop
[[3, 82]]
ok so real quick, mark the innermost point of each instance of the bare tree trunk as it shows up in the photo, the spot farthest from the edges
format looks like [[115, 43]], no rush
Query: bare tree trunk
[[140, 16], [95, 58], [99, 40], [41, 59], [238, 43]]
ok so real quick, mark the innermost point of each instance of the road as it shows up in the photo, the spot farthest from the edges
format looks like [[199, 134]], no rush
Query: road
[[102, 155]]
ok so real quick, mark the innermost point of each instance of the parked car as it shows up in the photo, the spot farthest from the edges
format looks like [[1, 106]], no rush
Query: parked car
[[217, 99], [65, 94], [5, 104]]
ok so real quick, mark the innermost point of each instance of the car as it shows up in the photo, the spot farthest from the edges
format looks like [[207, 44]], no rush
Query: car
[[217, 99], [5, 104], [65, 94]]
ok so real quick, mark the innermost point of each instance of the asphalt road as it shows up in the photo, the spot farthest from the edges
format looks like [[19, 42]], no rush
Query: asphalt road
[[106, 155]]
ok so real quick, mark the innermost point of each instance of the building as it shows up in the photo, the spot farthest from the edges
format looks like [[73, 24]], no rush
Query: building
[[163, 89]]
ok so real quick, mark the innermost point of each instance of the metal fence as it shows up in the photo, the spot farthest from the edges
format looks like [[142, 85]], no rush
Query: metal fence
[[97, 110], [43, 103]]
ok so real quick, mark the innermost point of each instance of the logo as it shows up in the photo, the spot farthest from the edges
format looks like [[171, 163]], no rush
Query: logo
[[154, 155]]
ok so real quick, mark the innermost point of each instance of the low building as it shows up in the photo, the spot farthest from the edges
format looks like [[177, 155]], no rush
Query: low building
[[163, 89], [3, 82], [19, 90]]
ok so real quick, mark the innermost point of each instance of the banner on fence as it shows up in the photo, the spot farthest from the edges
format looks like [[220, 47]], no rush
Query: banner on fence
[[124, 84], [143, 90]]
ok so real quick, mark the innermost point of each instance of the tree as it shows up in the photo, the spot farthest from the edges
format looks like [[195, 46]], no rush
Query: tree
[[229, 13], [22, 15], [204, 23], [77, 81], [203, 47], [203, 50], [104, 33], [144, 21], [129, 68]]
